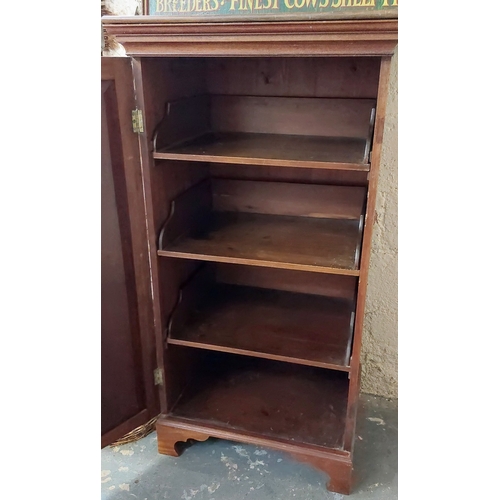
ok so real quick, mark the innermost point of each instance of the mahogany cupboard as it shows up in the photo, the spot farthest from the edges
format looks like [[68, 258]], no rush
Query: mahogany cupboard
[[256, 148]]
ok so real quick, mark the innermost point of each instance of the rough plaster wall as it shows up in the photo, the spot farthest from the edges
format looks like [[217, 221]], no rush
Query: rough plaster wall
[[123, 7], [379, 355], [379, 352]]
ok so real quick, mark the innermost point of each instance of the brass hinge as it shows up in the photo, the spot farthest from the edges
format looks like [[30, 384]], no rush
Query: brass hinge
[[137, 121], [158, 375]]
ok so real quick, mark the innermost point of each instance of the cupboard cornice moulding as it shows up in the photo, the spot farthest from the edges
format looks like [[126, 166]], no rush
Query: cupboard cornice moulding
[[151, 36]]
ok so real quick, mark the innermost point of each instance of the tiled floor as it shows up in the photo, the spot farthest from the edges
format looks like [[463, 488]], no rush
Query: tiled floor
[[218, 470]]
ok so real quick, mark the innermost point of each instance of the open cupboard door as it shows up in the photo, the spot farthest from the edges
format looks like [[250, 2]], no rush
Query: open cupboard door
[[128, 395]]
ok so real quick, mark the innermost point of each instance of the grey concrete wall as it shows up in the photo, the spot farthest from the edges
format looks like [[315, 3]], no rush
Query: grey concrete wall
[[379, 352]]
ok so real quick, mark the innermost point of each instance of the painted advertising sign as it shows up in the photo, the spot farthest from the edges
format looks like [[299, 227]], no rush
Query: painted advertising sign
[[211, 10]]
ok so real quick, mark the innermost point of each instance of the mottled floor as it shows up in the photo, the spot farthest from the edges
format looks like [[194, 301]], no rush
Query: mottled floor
[[218, 470]]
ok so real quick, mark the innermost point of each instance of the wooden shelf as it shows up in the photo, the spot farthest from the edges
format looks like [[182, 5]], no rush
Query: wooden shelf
[[297, 243], [269, 224], [284, 326], [301, 132], [277, 400], [276, 150]]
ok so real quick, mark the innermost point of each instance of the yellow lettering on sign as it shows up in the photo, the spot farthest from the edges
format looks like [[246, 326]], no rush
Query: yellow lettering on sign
[[184, 6]]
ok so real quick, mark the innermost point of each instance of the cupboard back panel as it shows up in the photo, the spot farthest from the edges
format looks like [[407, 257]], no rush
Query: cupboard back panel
[[174, 273], [353, 77], [300, 175], [328, 285], [283, 198], [292, 115], [170, 79]]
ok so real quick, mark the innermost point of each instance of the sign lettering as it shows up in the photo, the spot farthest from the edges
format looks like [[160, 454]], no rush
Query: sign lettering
[[274, 8]]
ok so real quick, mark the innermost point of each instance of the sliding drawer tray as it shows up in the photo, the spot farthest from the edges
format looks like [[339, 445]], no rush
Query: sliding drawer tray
[[271, 131], [271, 224]]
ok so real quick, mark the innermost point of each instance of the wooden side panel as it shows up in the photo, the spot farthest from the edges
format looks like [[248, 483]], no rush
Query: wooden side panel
[[352, 77], [188, 212], [128, 397], [181, 366], [365, 253], [157, 82], [169, 79], [192, 293], [280, 198], [292, 116], [184, 119]]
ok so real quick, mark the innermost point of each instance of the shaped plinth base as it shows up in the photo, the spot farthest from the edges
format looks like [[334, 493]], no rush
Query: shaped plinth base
[[337, 464], [170, 439]]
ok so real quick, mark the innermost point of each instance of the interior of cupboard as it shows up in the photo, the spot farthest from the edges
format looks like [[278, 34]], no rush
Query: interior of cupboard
[[242, 237], [302, 404]]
